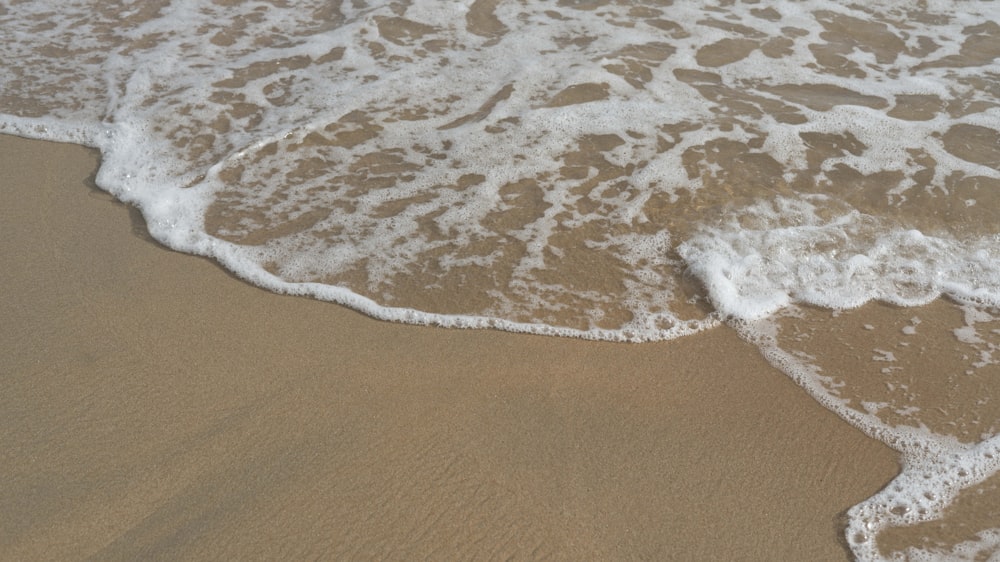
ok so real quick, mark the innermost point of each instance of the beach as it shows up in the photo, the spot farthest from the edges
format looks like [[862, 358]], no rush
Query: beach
[[155, 406]]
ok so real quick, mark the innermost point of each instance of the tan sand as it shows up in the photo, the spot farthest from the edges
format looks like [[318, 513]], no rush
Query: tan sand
[[155, 407]]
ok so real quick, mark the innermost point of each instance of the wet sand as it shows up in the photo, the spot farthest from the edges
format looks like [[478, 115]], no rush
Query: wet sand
[[155, 407]]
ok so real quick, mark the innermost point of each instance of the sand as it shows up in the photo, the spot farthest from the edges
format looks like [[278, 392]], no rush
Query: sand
[[155, 407]]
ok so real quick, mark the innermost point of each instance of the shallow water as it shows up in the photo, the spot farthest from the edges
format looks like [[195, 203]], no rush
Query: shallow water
[[630, 171]]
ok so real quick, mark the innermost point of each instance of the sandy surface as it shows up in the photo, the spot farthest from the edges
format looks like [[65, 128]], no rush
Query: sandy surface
[[155, 407]]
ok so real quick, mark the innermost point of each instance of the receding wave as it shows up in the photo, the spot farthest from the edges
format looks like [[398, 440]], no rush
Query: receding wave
[[620, 170]]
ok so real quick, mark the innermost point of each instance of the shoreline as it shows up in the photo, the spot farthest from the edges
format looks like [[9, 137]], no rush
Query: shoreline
[[157, 407]]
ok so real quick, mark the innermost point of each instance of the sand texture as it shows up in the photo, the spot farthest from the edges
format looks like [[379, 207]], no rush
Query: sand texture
[[155, 407]]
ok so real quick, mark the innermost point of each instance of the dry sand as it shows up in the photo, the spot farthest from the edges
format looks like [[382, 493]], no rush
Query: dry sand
[[155, 407]]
